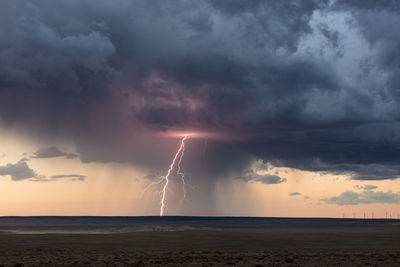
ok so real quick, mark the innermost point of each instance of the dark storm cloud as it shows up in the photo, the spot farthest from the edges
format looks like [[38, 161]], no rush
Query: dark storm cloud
[[371, 5], [52, 152], [18, 171], [282, 75]]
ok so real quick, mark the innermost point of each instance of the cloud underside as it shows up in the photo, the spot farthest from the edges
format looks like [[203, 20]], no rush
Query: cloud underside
[[18, 171], [312, 85], [61, 177], [365, 197], [52, 152], [264, 179], [21, 171], [367, 187]]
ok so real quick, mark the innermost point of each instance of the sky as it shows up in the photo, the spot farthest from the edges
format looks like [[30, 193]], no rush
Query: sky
[[291, 107]]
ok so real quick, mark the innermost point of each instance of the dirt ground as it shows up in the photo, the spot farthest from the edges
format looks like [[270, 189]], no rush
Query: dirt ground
[[282, 246]]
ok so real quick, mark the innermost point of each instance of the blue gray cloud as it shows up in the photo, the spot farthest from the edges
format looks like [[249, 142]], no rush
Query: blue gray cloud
[[264, 178], [73, 177], [52, 152], [18, 171], [366, 187], [365, 197], [60, 177]]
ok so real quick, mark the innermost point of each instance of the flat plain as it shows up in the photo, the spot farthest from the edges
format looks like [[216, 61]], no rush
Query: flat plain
[[197, 241]]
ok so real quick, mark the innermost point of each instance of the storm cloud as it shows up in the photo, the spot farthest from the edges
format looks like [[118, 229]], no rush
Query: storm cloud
[[312, 85]]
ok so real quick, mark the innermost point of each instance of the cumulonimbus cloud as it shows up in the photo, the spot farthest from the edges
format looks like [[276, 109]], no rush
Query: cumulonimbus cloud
[[311, 85]]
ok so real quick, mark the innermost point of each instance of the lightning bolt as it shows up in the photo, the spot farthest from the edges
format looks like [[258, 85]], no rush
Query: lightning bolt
[[171, 167], [179, 169], [176, 161]]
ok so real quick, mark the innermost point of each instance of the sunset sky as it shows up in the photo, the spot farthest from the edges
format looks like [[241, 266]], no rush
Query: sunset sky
[[292, 107]]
